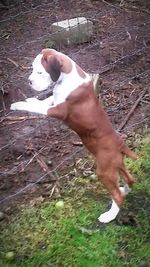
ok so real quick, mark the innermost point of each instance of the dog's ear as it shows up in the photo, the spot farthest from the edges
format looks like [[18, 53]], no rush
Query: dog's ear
[[52, 66]]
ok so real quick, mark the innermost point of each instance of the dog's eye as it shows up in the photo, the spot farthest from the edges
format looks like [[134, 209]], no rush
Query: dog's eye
[[39, 72]]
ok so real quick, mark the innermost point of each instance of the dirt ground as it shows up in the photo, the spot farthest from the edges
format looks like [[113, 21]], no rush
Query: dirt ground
[[37, 153]]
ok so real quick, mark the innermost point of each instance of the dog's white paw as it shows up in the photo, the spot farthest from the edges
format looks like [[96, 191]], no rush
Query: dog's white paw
[[31, 105], [18, 105], [32, 100], [111, 214], [106, 217], [25, 105]]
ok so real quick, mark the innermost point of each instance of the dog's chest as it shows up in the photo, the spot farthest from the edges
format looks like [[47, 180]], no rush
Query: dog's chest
[[68, 83]]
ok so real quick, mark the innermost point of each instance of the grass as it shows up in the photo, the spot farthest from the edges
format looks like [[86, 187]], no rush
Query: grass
[[44, 236]]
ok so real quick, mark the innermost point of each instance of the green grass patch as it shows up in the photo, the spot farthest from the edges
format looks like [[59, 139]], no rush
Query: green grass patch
[[45, 236]]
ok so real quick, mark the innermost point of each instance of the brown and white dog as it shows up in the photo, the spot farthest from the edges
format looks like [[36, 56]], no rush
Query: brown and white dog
[[75, 102]]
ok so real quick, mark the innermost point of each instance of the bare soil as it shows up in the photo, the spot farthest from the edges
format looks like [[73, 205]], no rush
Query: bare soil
[[37, 152]]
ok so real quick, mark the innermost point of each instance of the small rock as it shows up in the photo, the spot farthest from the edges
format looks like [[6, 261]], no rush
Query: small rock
[[87, 173], [10, 256], [49, 163], [93, 177]]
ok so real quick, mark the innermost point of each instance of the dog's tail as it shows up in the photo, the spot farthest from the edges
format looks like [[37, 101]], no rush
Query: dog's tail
[[128, 152]]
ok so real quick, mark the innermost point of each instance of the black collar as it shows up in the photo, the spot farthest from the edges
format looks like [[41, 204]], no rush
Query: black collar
[[48, 92], [45, 94]]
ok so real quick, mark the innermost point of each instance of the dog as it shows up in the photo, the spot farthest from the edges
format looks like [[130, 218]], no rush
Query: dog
[[74, 102]]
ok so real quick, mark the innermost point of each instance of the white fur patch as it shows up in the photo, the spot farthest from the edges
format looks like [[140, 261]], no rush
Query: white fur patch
[[114, 210], [32, 105], [111, 214], [41, 80], [69, 82]]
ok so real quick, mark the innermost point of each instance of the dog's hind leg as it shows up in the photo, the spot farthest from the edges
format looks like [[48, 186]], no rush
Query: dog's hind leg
[[129, 179], [110, 180], [115, 208]]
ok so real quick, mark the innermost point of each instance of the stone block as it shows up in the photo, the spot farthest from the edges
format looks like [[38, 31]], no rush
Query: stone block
[[72, 31]]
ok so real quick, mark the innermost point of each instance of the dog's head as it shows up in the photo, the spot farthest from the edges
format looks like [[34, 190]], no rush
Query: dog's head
[[46, 70]]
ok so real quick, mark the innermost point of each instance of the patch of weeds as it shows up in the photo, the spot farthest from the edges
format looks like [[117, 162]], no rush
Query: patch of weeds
[[141, 167], [45, 236]]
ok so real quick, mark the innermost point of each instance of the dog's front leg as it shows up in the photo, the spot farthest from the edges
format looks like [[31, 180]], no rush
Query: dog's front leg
[[41, 107], [33, 105]]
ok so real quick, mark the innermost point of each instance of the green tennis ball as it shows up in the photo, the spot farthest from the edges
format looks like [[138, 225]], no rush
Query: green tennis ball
[[59, 204], [10, 256]]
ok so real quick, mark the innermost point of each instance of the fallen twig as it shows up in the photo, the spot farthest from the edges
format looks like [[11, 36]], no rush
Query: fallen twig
[[15, 119], [17, 64], [147, 119], [114, 6], [53, 189], [138, 9], [30, 161], [42, 163], [3, 104], [121, 126], [33, 157], [13, 62], [77, 143]]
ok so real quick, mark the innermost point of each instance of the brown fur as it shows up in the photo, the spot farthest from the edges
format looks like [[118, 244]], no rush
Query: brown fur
[[64, 61], [83, 113], [52, 66]]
